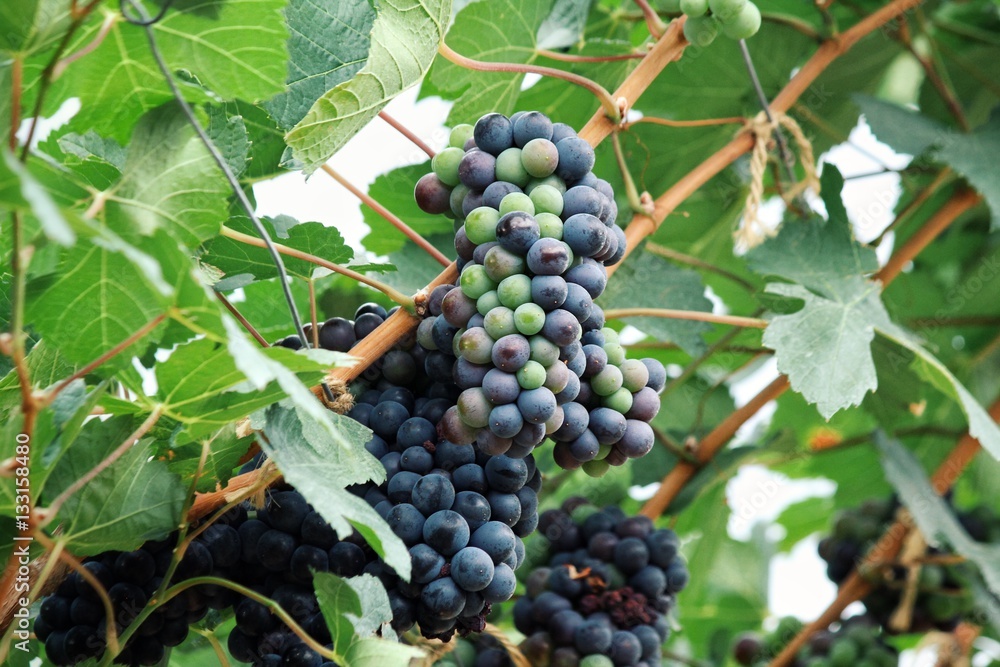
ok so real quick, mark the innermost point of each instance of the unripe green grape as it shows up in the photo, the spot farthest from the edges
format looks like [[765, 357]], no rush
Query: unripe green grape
[[743, 25], [550, 226], [531, 375], [616, 354], [516, 201], [724, 10], [460, 134], [481, 225], [553, 180], [701, 30], [670, 6], [607, 381], [529, 318], [445, 165], [501, 263], [543, 350], [556, 377], [602, 452], [596, 468], [539, 157], [455, 349], [474, 408], [547, 200], [596, 660], [457, 197], [510, 169], [487, 302], [475, 346], [499, 322], [475, 282], [694, 8], [515, 291], [635, 375], [610, 335], [620, 401]]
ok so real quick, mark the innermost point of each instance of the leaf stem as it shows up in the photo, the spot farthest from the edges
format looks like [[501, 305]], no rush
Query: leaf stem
[[102, 33], [634, 201], [101, 360], [213, 641], [611, 109], [16, 75], [705, 122], [944, 176], [234, 311], [389, 217], [944, 90], [574, 58], [47, 514], [405, 131], [392, 293], [681, 258], [695, 315]]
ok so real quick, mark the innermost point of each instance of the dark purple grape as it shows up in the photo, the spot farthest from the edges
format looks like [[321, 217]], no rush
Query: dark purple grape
[[337, 334], [432, 195], [548, 291], [476, 170], [537, 405], [585, 234], [576, 158], [517, 231], [496, 191], [561, 327], [494, 133], [590, 275], [548, 257], [531, 125], [581, 199]]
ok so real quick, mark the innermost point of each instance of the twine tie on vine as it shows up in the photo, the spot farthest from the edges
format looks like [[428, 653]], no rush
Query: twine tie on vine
[[753, 232]]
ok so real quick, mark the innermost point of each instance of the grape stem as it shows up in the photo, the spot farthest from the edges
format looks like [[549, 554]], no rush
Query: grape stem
[[944, 176], [405, 131], [681, 258], [634, 200], [695, 315], [611, 108], [705, 122], [389, 217], [214, 643], [574, 58], [392, 293], [654, 23], [102, 33], [241, 319]]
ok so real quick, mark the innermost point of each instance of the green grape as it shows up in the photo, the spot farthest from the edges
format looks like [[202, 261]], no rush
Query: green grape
[[726, 9], [459, 135], [607, 381], [531, 375], [499, 322], [596, 660], [670, 6], [514, 291], [553, 180], [550, 226], [620, 401], [481, 225], [456, 350], [694, 8], [602, 452], [635, 374], [547, 200], [610, 335], [501, 263], [539, 157], [510, 169], [475, 282], [743, 25], [516, 201], [596, 468], [543, 350], [529, 318], [701, 30], [457, 197], [616, 354], [843, 653], [487, 302], [445, 165]]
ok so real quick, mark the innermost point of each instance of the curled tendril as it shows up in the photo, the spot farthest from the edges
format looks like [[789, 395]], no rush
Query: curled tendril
[[142, 20]]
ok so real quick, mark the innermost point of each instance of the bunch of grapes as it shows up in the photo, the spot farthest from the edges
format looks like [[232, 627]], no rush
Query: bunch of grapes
[[604, 597], [942, 597], [736, 19], [72, 621], [537, 230], [856, 641]]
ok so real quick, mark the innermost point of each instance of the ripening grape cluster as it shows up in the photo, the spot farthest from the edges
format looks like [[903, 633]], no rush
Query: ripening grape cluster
[[520, 334], [603, 598], [854, 641], [943, 597], [736, 19]]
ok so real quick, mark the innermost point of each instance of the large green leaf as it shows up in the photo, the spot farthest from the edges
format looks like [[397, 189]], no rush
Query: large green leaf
[[170, 182], [404, 39], [131, 501], [338, 603], [328, 45], [28, 26], [394, 190], [20, 190], [234, 48], [493, 31], [648, 281], [320, 458]]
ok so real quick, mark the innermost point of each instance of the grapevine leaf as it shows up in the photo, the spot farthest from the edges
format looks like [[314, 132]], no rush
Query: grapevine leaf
[[414, 267], [131, 501], [648, 281], [974, 156], [931, 513], [497, 31], [394, 190], [376, 610], [328, 45], [803, 519], [371, 652], [320, 457], [338, 602], [907, 131], [564, 26], [119, 80], [46, 365], [229, 134], [30, 26], [225, 450], [97, 160], [28, 193], [170, 182], [404, 39]]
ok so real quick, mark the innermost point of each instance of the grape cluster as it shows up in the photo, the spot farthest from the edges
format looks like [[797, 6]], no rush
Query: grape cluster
[[942, 597], [537, 231], [72, 621], [736, 19], [604, 596], [855, 641]]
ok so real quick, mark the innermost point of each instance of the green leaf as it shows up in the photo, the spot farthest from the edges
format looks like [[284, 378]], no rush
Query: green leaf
[[974, 156], [564, 26], [338, 602], [493, 31], [932, 514], [229, 135], [376, 611], [373, 652], [27, 193], [394, 190], [907, 131], [803, 519], [404, 39], [131, 501], [170, 182], [28, 26], [119, 80], [648, 281], [320, 457], [225, 450], [98, 160], [328, 45]]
